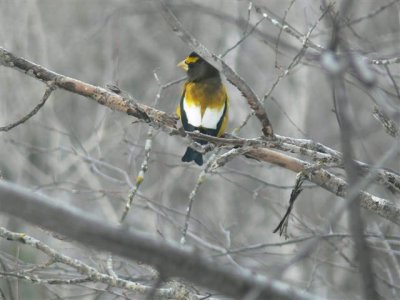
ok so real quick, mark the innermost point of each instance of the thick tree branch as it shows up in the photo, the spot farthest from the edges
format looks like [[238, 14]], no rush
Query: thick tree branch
[[169, 258], [159, 119], [166, 122], [102, 96], [330, 182]]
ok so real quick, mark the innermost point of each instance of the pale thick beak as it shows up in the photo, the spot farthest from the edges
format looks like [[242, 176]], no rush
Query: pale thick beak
[[183, 65]]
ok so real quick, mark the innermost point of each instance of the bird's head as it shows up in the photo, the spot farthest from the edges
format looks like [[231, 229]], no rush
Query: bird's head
[[197, 68]]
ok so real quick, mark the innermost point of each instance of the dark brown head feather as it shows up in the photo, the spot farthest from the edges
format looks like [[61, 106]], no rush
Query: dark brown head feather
[[200, 69]]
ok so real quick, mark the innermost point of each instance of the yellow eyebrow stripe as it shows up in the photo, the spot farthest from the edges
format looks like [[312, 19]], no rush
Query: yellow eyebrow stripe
[[191, 59]]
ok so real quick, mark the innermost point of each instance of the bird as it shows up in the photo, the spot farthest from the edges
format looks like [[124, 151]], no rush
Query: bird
[[204, 102]]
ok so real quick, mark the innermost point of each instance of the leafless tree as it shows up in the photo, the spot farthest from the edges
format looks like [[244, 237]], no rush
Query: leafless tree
[[298, 200]]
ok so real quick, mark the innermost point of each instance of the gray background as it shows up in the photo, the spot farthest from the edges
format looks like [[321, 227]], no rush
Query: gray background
[[58, 151]]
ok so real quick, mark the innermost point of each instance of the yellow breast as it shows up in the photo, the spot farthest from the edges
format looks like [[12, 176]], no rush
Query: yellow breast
[[204, 106], [205, 95]]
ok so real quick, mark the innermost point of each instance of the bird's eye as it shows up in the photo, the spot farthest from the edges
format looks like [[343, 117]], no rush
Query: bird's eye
[[189, 64]]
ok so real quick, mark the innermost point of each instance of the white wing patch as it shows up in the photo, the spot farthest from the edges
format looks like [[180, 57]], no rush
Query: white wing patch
[[193, 113], [211, 117]]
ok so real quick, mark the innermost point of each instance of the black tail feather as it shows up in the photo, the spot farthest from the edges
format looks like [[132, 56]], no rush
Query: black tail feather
[[191, 155]]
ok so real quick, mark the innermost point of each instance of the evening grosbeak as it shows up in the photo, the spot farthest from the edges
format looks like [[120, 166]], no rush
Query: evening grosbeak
[[204, 102]]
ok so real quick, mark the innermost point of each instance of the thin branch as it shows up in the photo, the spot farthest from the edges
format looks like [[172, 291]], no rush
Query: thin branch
[[147, 150], [385, 61], [37, 280], [249, 8], [280, 31], [140, 176], [287, 28], [200, 180], [288, 242], [90, 273], [396, 87], [283, 224], [391, 127], [34, 111], [371, 14], [223, 159], [242, 39]]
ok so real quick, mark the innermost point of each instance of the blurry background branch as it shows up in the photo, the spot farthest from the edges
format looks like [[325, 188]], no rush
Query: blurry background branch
[[89, 273], [170, 259]]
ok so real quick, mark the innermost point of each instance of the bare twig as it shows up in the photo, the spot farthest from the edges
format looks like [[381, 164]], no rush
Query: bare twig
[[90, 273], [147, 149], [390, 127], [140, 176], [298, 56], [223, 159], [283, 111], [385, 61], [35, 279], [193, 193], [46, 96], [283, 224], [396, 87], [286, 27], [242, 39], [372, 13], [280, 31]]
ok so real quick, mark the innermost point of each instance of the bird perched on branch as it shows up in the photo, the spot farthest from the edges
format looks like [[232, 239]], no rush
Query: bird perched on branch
[[204, 103]]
